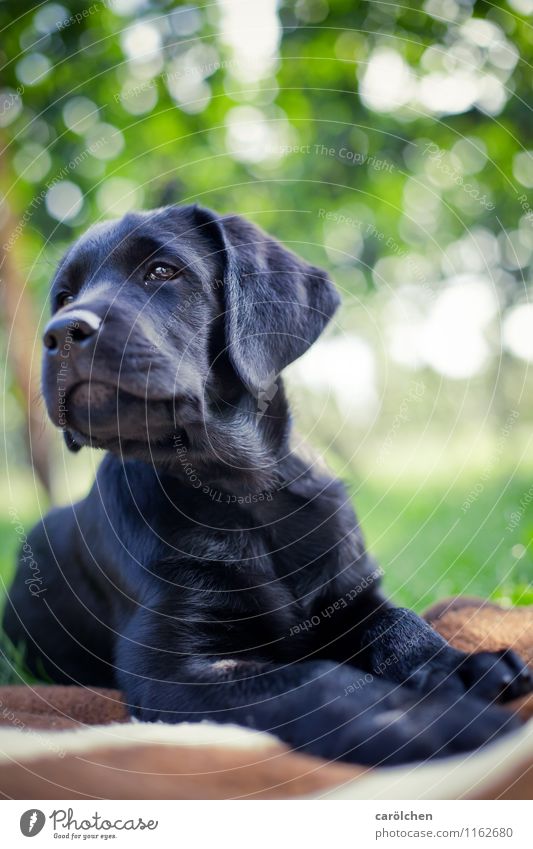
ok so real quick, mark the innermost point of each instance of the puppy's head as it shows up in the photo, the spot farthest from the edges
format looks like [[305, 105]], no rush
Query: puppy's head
[[161, 317]]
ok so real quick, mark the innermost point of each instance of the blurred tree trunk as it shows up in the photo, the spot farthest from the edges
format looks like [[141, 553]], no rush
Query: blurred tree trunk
[[20, 326]]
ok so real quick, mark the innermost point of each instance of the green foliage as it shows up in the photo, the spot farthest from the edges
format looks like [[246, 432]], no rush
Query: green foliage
[[311, 99]]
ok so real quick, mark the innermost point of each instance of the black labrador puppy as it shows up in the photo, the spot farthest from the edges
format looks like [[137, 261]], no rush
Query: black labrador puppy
[[211, 572]]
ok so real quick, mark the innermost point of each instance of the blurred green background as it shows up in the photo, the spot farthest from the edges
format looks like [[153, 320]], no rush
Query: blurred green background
[[385, 142]]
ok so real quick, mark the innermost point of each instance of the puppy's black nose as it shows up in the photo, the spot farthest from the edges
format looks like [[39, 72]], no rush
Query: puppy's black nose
[[71, 328]]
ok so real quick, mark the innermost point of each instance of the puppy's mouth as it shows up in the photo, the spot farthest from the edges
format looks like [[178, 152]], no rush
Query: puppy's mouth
[[100, 412], [97, 406]]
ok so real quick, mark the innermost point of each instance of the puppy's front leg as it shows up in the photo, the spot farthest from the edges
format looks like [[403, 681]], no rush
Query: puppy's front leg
[[397, 644], [323, 708]]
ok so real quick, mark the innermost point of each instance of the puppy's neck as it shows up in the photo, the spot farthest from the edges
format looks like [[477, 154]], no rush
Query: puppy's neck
[[238, 447]]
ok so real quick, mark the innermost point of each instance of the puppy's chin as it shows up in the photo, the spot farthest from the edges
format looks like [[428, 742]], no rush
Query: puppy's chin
[[99, 413]]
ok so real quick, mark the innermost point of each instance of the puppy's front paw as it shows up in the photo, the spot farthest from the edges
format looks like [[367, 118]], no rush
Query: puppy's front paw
[[496, 676]]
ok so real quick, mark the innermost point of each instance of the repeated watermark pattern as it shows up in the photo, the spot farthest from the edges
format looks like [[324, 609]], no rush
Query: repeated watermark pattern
[[10, 99], [62, 373], [83, 14], [9, 716], [440, 158], [369, 677], [193, 72], [526, 208], [416, 392], [343, 154], [34, 580], [491, 464], [339, 604], [192, 300], [38, 199], [214, 494], [516, 516], [369, 230]]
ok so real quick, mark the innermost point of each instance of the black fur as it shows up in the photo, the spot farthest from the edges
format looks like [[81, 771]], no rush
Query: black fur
[[211, 572]]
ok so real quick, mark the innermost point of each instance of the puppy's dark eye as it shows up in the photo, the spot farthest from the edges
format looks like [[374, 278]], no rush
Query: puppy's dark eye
[[63, 299], [161, 272]]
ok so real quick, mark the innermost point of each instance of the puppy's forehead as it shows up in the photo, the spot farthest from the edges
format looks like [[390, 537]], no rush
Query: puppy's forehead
[[109, 237], [114, 240]]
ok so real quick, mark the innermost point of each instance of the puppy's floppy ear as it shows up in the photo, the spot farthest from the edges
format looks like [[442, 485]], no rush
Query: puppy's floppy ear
[[276, 303]]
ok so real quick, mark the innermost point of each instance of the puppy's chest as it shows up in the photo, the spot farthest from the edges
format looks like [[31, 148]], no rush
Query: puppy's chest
[[237, 585], [229, 587]]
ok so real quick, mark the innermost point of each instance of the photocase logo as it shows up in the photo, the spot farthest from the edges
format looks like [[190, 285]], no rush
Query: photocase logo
[[32, 822]]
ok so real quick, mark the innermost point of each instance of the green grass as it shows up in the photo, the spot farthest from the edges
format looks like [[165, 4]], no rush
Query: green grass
[[22, 498], [429, 547], [12, 668]]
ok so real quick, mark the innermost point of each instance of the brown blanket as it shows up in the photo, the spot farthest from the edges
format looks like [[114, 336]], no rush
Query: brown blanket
[[75, 743]]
